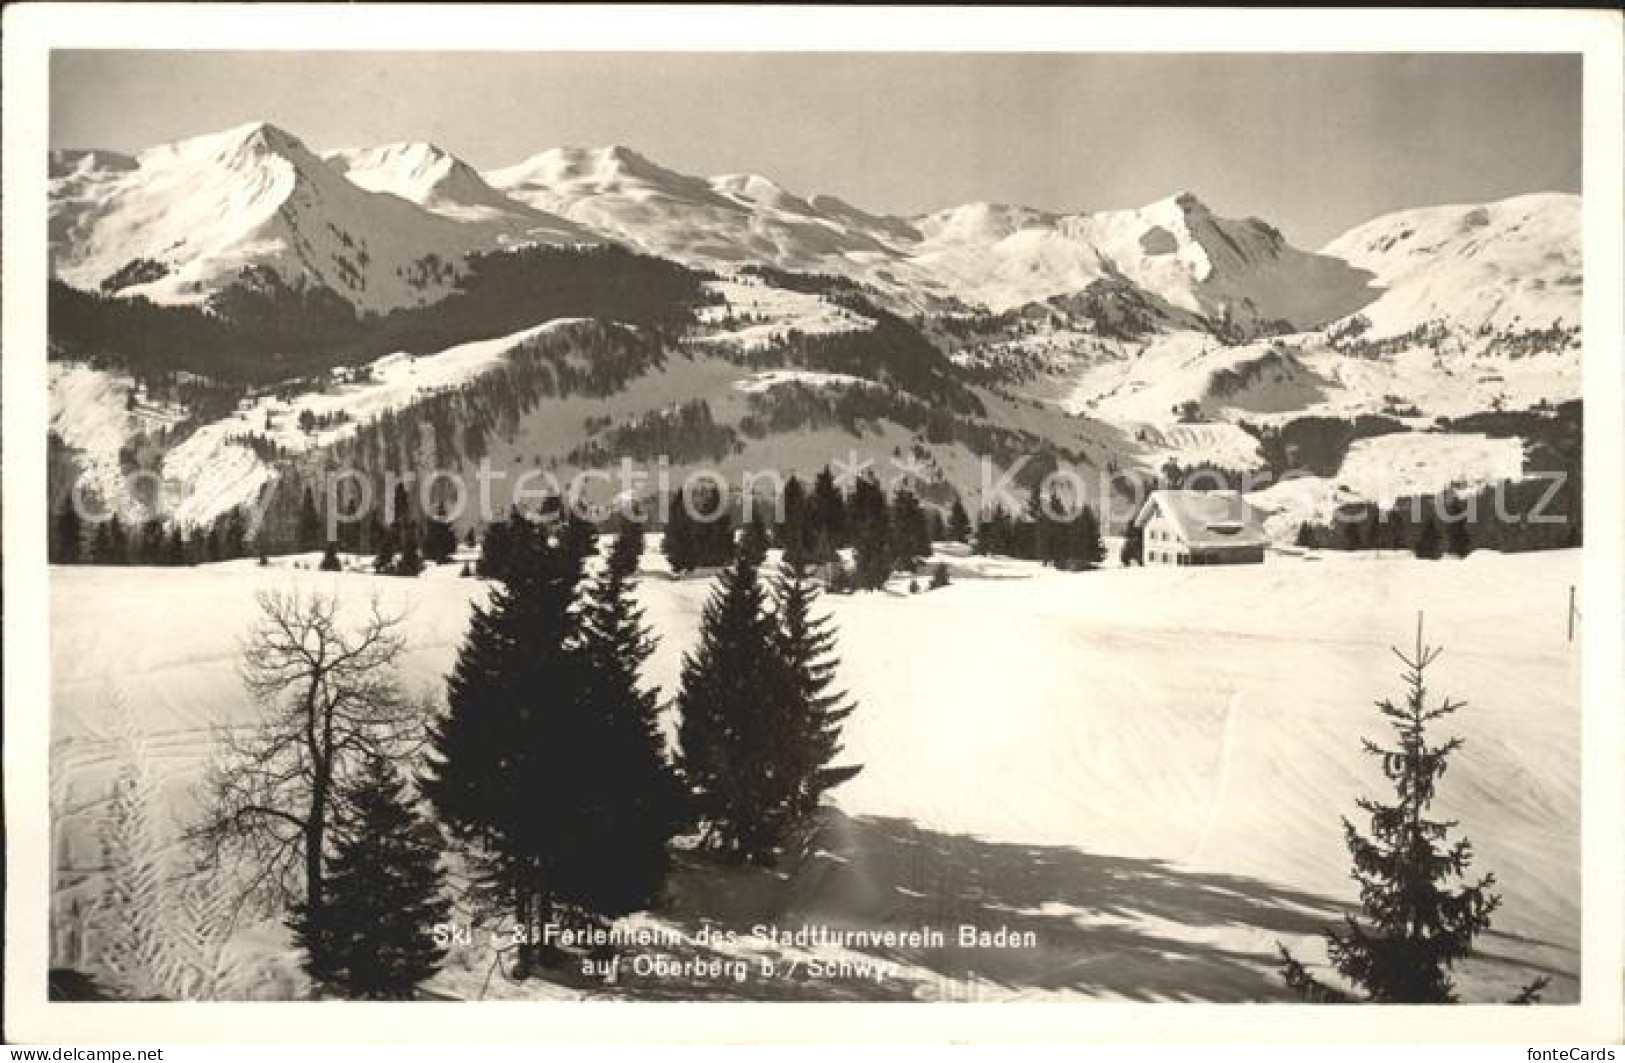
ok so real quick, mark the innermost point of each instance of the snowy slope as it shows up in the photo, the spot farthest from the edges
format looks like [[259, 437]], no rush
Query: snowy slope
[[208, 474], [1510, 265], [1158, 797], [205, 208], [1383, 469]]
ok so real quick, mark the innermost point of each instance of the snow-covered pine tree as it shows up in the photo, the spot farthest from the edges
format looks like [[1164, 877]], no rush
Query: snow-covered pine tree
[[812, 710], [726, 681], [372, 937], [1414, 926]]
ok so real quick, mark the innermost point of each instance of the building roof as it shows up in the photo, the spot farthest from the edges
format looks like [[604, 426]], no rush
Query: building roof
[[1207, 519]]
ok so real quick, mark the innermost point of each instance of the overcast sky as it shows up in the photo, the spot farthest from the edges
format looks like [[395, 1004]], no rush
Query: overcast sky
[[1311, 143]]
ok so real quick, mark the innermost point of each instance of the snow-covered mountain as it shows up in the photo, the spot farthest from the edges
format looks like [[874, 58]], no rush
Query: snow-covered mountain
[[180, 221], [1513, 265], [1242, 273], [725, 221], [443, 184], [1000, 256]]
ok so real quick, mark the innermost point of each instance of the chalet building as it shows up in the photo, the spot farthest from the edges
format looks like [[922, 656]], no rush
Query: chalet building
[[1200, 528]]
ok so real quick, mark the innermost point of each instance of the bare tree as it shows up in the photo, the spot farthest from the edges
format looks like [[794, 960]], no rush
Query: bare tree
[[330, 699]]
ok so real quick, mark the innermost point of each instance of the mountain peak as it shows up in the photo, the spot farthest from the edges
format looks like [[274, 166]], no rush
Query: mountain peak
[[263, 136]]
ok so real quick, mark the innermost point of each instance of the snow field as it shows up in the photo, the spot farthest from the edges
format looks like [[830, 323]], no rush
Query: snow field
[[1144, 767]]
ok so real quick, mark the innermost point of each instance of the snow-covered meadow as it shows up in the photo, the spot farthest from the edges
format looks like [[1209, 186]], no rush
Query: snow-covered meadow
[[1144, 768]]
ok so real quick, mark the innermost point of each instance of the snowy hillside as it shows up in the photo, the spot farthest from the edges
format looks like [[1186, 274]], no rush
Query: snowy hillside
[[212, 469], [1167, 775], [1386, 468], [1510, 266]]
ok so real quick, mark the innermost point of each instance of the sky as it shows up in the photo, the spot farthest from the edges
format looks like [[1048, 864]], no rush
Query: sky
[[1314, 144]]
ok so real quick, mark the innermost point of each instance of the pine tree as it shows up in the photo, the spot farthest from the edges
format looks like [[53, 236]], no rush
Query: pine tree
[[829, 517], [439, 540], [488, 770], [713, 530], [527, 768], [754, 541], [959, 526], [795, 530], [641, 800], [67, 535], [118, 542], [910, 538], [175, 548], [496, 546], [233, 535], [577, 538], [678, 542], [1086, 548], [330, 559], [372, 937], [384, 560], [1427, 543], [993, 534], [872, 557], [812, 711], [310, 523], [1133, 551], [410, 563], [725, 730], [1458, 537], [869, 521], [1414, 926]]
